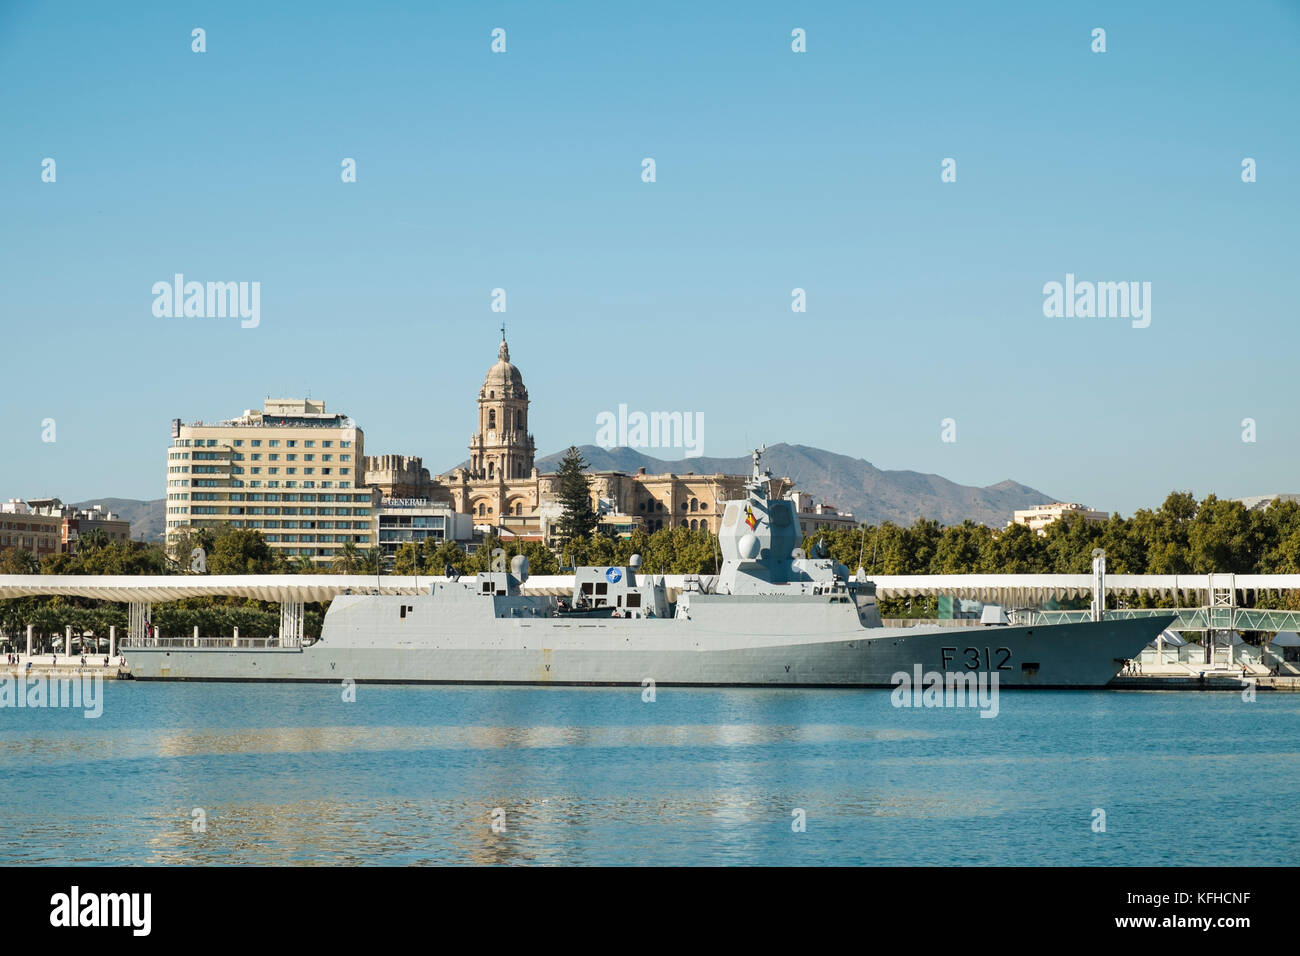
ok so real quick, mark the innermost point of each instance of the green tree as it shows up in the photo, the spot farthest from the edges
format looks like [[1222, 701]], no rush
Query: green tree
[[96, 538], [437, 557], [371, 560], [19, 561], [573, 492], [242, 551], [408, 559], [347, 558], [185, 541]]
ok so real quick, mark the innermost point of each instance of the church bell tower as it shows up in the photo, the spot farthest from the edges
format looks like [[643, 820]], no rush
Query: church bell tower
[[501, 448]]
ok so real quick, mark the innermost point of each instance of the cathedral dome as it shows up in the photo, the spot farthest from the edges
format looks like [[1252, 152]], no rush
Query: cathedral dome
[[503, 373]]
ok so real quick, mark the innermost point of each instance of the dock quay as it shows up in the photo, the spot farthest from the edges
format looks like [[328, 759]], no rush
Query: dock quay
[[1221, 681], [41, 667]]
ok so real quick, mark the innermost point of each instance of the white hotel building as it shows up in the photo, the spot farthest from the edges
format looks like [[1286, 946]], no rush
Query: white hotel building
[[291, 471]]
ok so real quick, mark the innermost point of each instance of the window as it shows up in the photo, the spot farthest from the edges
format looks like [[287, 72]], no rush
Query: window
[[256, 443], [239, 443], [310, 443], [291, 443]]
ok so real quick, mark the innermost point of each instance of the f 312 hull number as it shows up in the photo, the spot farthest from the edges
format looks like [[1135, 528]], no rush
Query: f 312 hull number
[[997, 658]]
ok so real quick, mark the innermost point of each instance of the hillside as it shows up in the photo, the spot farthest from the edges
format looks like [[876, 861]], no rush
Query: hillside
[[148, 518], [851, 484]]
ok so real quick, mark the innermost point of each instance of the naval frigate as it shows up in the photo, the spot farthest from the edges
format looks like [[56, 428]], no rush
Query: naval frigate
[[771, 616]]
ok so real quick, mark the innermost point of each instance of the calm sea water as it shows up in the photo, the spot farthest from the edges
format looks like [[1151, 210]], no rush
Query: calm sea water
[[292, 774]]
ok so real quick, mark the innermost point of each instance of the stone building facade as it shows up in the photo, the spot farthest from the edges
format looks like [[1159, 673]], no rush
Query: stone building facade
[[404, 477], [502, 487]]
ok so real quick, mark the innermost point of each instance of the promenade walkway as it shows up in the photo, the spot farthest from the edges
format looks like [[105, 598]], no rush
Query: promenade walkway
[[66, 667]]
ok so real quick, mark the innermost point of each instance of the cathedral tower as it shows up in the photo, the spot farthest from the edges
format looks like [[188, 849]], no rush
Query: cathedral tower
[[502, 449]]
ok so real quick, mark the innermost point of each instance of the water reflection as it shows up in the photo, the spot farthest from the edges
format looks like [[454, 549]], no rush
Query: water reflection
[[57, 747], [409, 775]]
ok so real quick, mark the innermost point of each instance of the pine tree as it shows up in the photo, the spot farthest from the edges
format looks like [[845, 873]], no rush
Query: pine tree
[[573, 491]]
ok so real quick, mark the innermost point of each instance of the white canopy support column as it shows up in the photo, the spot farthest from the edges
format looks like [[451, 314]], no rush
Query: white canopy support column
[[139, 614], [291, 620], [1098, 583]]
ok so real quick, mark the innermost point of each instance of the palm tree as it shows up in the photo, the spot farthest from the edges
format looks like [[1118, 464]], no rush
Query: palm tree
[[92, 540], [346, 557], [303, 564], [372, 561]]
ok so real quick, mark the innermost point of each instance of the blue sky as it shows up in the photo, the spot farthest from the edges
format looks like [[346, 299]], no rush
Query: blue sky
[[775, 170]]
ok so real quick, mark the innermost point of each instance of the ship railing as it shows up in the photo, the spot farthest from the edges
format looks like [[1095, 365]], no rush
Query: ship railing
[[183, 642]]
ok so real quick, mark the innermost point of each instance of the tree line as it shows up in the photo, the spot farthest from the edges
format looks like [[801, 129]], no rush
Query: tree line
[[1182, 536]]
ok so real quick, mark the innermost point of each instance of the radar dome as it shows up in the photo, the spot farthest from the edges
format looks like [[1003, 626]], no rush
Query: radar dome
[[519, 567], [634, 562], [748, 547]]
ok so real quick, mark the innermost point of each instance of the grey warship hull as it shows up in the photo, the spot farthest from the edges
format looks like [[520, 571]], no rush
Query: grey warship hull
[[731, 641], [772, 617]]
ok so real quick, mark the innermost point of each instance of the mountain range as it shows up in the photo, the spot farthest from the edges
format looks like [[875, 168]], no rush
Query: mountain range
[[148, 518], [852, 485]]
